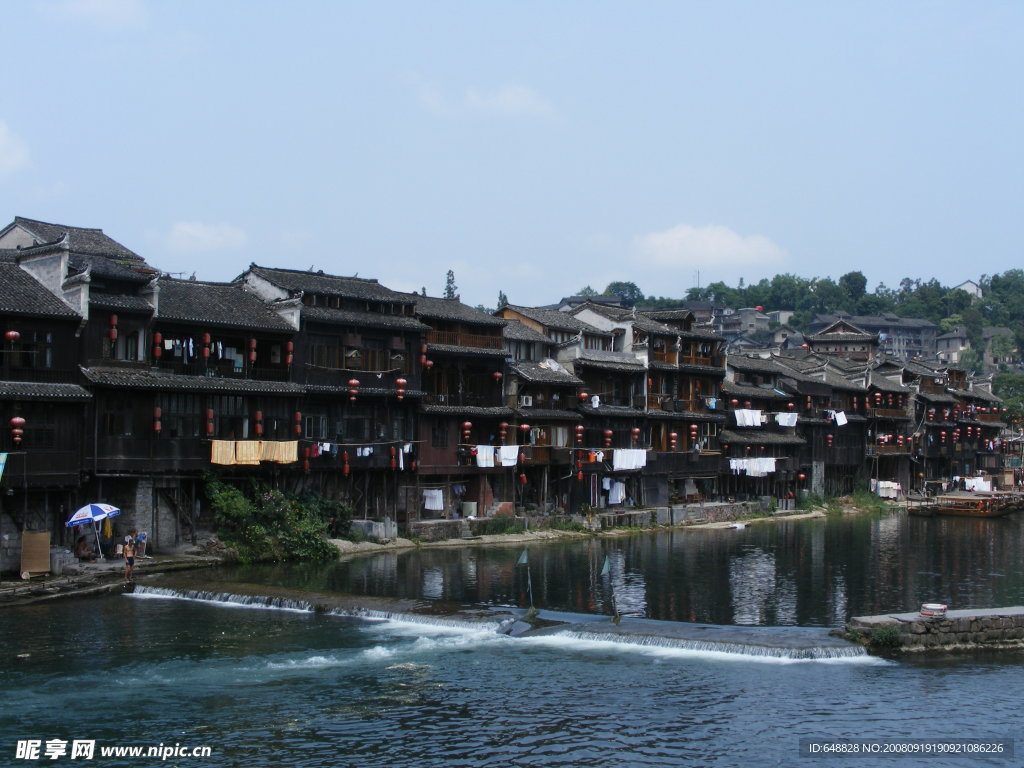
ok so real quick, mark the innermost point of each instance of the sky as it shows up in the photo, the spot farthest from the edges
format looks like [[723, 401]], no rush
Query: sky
[[533, 148]]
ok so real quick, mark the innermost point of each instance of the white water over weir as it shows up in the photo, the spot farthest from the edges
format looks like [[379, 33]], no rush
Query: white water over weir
[[764, 643]]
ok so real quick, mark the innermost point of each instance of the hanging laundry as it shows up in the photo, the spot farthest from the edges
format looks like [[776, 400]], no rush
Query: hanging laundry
[[786, 419], [222, 452], [841, 418], [617, 493], [508, 455], [248, 451], [485, 456]]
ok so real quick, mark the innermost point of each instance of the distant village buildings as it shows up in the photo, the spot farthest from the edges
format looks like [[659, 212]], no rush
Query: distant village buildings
[[125, 385]]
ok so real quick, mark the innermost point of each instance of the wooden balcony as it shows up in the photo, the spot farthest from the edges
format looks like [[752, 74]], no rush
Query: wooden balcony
[[460, 339], [663, 356], [888, 413], [698, 360], [988, 417], [887, 450]]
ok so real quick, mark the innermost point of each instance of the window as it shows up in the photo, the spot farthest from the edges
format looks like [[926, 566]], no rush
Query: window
[[439, 435]]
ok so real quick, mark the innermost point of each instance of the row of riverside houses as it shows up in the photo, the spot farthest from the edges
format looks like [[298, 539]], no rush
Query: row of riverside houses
[[121, 384]]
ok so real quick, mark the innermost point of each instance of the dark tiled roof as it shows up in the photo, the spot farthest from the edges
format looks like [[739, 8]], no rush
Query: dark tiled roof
[[216, 304], [19, 390], [885, 384], [745, 390], [757, 437], [330, 285], [756, 364], [128, 271], [620, 411], [935, 397], [469, 410], [81, 240], [626, 315], [430, 308], [122, 302], [516, 331], [976, 394], [541, 373], [559, 321], [452, 349], [22, 294], [685, 416], [551, 414], [609, 364], [147, 378], [363, 319]]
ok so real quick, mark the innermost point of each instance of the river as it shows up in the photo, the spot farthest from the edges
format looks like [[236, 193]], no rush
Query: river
[[272, 683]]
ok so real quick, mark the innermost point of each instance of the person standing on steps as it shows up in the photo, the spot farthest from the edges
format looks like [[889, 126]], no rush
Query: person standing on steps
[[129, 558]]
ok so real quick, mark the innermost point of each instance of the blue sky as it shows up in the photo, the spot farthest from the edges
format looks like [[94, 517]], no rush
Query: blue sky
[[533, 148]]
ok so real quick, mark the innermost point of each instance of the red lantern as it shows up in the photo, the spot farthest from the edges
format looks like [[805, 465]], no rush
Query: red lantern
[[17, 421], [579, 476], [583, 396], [497, 375], [345, 470], [734, 402], [399, 394], [401, 383], [12, 336], [801, 477], [113, 334], [428, 364], [524, 428], [522, 457], [522, 479]]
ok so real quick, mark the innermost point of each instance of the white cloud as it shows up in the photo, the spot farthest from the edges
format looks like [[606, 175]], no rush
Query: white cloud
[[14, 154], [197, 237], [104, 13], [685, 246], [509, 100]]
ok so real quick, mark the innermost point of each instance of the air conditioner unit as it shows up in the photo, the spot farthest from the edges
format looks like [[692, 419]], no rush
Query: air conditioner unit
[[525, 401]]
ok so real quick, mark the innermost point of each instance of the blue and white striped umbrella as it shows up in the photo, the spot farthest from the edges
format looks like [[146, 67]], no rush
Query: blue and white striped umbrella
[[92, 513]]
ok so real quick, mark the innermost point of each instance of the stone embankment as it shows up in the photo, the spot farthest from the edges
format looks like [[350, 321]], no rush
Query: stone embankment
[[972, 629]]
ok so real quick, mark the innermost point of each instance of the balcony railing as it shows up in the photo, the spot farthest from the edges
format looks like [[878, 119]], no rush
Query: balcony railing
[[477, 401], [888, 413], [224, 369], [460, 339]]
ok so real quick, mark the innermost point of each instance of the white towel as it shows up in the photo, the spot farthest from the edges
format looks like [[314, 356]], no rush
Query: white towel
[[508, 455], [485, 455], [840, 418], [433, 499]]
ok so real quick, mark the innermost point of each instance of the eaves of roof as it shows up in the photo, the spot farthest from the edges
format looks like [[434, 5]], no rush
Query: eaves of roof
[[758, 437], [23, 390], [149, 379], [363, 319]]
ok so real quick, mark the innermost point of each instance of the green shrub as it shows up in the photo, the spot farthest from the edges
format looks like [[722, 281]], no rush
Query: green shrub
[[885, 637], [268, 525], [495, 526]]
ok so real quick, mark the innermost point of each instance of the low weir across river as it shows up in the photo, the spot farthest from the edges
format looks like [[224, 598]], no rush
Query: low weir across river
[[794, 643]]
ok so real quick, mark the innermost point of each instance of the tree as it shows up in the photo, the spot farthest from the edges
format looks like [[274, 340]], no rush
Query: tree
[[450, 289], [502, 300], [970, 360], [586, 292], [628, 291], [854, 285]]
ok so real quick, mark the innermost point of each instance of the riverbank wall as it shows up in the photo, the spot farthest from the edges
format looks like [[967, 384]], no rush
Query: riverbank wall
[[649, 517], [971, 629]]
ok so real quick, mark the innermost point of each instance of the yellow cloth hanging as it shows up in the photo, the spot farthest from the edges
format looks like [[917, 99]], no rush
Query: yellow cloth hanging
[[222, 451], [108, 529], [287, 452], [248, 451]]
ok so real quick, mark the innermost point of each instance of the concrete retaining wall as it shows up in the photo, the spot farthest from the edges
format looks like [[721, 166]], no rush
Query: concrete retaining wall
[[962, 629]]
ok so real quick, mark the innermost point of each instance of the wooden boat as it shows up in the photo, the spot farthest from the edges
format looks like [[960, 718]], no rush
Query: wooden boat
[[976, 505]]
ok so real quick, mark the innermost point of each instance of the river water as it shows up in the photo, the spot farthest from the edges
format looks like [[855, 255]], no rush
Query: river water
[[272, 683]]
